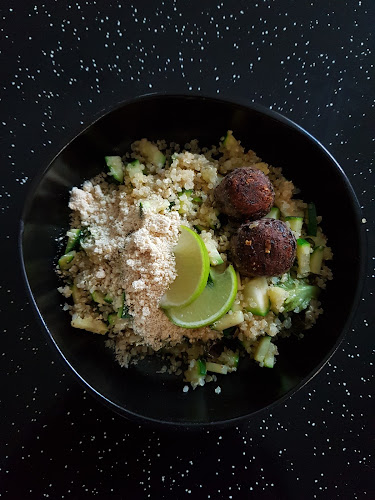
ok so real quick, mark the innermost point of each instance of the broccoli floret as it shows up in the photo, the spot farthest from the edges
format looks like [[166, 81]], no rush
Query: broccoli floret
[[300, 294]]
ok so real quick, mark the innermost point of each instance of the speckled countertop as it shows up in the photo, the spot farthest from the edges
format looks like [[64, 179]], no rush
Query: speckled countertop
[[61, 64]]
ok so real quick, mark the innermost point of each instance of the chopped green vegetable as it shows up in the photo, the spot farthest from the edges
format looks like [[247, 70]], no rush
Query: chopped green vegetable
[[151, 153], [300, 294], [201, 367], [303, 257], [197, 199], [89, 324], [116, 167], [112, 318], [73, 239], [123, 311], [108, 299], [188, 192], [198, 229], [98, 297], [274, 213], [256, 296], [262, 349], [295, 224], [66, 261], [216, 368], [228, 320]]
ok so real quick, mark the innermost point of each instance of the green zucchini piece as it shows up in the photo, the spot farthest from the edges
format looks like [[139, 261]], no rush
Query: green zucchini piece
[[98, 297], [312, 224], [108, 299], [216, 368], [76, 295], [229, 141], [316, 260], [116, 167], [197, 199], [300, 296], [274, 213], [123, 311], [198, 228], [295, 224], [303, 257], [213, 253], [262, 349], [188, 192], [134, 163], [89, 324], [228, 321], [151, 153], [201, 367], [269, 359], [66, 261], [74, 236], [256, 296], [112, 318]]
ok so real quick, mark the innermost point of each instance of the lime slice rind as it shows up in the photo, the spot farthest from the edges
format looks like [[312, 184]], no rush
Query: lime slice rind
[[192, 266], [215, 301]]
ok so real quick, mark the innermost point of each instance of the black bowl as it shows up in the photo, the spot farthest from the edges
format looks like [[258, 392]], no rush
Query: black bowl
[[139, 393]]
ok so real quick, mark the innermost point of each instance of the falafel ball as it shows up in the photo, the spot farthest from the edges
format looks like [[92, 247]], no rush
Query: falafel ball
[[245, 193], [266, 247]]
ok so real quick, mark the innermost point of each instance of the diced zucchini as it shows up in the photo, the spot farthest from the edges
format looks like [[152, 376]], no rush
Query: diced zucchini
[[312, 224], [151, 153], [262, 349], [187, 192], [295, 224], [123, 311], [89, 324], [300, 295], [316, 260], [229, 358], [303, 257], [73, 239], [213, 253], [269, 359], [76, 293], [98, 297], [134, 163], [201, 367], [197, 199], [256, 296], [198, 228], [228, 320], [112, 318], [66, 261], [277, 297], [216, 368], [229, 141], [116, 167], [193, 373], [108, 299], [274, 213]]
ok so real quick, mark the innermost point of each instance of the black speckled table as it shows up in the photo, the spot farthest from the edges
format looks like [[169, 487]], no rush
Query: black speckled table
[[62, 63]]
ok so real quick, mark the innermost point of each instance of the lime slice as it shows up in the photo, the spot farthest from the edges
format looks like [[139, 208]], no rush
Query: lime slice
[[215, 301], [192, 266]]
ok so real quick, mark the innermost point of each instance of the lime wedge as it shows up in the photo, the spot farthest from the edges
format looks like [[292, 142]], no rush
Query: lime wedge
[[215, 301], [192, 266]]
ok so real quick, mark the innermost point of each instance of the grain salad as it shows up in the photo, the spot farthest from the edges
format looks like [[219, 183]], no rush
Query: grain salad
[[121, 261]]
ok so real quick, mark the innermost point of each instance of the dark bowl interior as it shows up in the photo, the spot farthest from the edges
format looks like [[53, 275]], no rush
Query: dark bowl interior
[[139, 393]]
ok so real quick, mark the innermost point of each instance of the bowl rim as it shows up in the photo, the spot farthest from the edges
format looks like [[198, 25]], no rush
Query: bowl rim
[[219, 424]]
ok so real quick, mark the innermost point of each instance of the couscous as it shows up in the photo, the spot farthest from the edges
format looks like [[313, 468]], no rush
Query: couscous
[[121, 263]]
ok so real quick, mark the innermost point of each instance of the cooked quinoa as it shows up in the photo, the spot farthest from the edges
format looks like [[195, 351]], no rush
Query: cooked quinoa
[[124, 260]]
